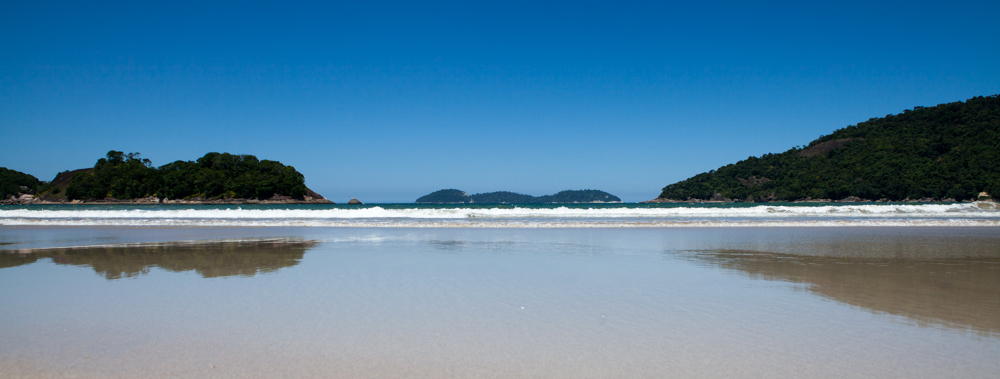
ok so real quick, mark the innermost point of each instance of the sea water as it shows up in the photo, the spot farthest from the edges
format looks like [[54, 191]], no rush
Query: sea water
[[860, 290], [506, 215]]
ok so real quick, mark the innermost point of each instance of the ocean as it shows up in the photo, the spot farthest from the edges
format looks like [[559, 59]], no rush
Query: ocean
[[505, 215], [501, 291]]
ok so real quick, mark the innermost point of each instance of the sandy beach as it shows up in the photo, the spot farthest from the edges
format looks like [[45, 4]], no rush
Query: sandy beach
[[497, 303]]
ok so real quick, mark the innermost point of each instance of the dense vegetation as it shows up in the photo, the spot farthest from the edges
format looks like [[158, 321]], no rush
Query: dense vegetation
[[948, 151], [457, 196], [445, 196], [580, 196], [13, 183], [213, 176]]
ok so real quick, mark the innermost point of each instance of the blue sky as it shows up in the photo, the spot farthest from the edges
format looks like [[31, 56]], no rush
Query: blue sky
[[388, 101]]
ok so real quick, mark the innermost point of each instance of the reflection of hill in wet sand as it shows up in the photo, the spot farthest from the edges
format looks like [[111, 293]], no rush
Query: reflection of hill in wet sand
[[956, 292], [209, 259]]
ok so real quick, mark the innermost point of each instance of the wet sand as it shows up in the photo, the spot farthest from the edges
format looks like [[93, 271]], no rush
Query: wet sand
[[317, 302]]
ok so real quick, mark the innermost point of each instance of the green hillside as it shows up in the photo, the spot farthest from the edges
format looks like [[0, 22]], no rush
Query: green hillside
[[947, 151], [13, 183]]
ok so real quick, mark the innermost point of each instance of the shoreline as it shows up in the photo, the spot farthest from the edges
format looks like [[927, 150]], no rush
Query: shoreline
[[990, 203], [154, 201], [807, 200]]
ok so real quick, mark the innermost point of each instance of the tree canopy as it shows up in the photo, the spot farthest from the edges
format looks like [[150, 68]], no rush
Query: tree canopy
[[947, 151], [213, 176], [13, 183]]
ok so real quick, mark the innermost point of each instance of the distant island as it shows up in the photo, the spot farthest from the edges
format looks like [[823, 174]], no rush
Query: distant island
[[454, 196], [950, 152], [119, 178]]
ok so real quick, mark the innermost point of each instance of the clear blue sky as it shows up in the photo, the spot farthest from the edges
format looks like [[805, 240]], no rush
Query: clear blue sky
[[389, 101]]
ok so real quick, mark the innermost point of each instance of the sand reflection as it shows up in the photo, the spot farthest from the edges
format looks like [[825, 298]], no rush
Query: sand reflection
[[954, 293], [210, 259]]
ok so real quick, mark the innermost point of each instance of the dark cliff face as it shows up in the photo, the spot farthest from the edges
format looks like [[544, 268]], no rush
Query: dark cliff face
[[950, 151]]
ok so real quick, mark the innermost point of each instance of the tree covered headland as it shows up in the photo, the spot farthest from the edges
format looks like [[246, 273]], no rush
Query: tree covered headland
[[13, 183], [947, 151], [506, 197], [213, 176]]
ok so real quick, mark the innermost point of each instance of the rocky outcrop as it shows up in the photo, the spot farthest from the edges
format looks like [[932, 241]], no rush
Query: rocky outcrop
[[354, 201], [717, 197], [823, 148], [852, 199], [662, 200]]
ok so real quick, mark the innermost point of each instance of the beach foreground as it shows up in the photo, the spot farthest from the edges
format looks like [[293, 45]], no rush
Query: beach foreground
[[506, 302]]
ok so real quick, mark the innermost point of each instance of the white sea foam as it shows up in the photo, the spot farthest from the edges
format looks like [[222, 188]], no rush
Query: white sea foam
[[502, 223], [763, 215]]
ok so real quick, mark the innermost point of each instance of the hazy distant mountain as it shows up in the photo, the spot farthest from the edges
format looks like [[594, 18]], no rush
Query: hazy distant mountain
[[447, 196]]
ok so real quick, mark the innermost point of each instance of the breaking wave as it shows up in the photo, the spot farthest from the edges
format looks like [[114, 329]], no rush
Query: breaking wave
[[556, 216]]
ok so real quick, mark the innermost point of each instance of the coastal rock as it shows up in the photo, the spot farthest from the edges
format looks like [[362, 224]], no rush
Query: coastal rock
[[662, 200], [809, 199], [25, 199], [852, 199], [718, 197], [312, 196], [354, 201], [279, 198], [823, 148]]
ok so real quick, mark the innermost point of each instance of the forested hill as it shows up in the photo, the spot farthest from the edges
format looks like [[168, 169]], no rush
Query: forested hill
[[13, 183], [213, 176], [120, 177], [950, 151], [506, 197]]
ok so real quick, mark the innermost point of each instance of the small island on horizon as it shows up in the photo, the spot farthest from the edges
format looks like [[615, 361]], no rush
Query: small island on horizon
[[454, 196]]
